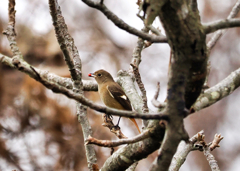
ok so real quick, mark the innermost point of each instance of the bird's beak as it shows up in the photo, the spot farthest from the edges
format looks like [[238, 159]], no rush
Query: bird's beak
[[91, 75]]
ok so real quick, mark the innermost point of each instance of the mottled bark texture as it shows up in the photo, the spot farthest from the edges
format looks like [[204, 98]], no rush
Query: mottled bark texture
[[187, 41]]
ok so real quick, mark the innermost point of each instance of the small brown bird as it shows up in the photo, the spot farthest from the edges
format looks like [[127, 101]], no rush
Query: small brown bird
[[111, 93]]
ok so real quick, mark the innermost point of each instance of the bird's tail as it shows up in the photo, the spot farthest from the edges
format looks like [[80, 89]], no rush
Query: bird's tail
[[135, 123]]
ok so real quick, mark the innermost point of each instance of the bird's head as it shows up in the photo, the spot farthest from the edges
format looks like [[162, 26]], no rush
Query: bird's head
[[101, 76]]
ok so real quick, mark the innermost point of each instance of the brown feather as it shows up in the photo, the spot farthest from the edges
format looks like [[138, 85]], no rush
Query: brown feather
[[117, 92], [112, 94]]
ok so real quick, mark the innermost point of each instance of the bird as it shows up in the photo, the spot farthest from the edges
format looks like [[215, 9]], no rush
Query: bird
[[111, 93]]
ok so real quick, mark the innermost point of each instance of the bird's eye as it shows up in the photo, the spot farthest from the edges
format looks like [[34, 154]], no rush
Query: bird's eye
[[99, 75]]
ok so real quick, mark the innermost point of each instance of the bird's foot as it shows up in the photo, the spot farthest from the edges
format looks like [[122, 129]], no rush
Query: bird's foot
[[108, 117]]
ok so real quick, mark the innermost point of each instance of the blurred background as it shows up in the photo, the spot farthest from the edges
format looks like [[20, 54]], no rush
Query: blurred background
[[39, 129]]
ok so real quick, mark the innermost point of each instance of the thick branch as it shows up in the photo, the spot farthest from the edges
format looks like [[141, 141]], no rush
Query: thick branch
[[187, 73], [175, 108], [131, 153], [121, 24], [217, 92], [194, 5], [187, 38], [126, 81]]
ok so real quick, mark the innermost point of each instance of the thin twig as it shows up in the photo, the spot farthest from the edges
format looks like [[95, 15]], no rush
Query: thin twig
[[141, 87], [206, 150], [136, 56], [121, 24], [154, 101], [157, 92], [154, 30], [197, 142], [211, 160], [115, 143], [219, 33], [222, 24], [205, 86], [136, 60], [11, 36], [10, 31]]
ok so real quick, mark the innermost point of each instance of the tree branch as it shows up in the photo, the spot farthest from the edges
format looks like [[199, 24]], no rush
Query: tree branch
[[88, 85], [33, 72], [185, 79], [222, 24], [73, 61], [194, 5], [125, 79], [206, 150], [115, 143], [141, 87], [132, 167], [219, 33], [136, 60], [10, 31], [183, 150], [65, 40], [178, 108], [126, 156], [175, 108], [217, 92], [136, 56], [154, 101], [121, 24]]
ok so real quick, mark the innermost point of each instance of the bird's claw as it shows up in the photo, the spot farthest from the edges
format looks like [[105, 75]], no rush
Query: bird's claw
[[108, 117]]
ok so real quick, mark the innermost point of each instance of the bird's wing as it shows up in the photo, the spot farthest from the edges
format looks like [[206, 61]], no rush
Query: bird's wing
[[117, 93]]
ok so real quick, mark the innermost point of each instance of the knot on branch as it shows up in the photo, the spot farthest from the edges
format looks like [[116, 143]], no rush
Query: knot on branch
[[16, 62]]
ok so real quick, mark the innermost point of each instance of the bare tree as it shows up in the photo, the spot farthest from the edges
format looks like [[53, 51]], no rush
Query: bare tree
[[187, 87]]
